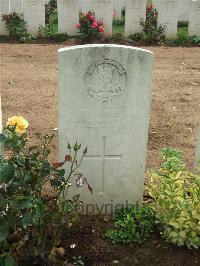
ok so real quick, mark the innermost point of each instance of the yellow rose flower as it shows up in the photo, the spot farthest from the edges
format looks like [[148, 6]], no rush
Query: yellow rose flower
[[20, 123]]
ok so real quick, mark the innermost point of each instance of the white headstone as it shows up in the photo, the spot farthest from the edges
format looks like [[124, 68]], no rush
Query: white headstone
[[104, 9], [104, 104], [4, 9], [85, 5], [194, 23], [168, 11], [184, 10], [118, 5], [68, 16], [135, 10], [16, 6], [34, 15]]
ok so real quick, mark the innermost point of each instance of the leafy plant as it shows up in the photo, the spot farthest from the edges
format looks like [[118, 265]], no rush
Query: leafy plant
[[195, 39], [89, 27], [16, 26], [176, 200], [29, 220], [50, 8], [133, 225], [48, 33], [152, 33], [117, 36]]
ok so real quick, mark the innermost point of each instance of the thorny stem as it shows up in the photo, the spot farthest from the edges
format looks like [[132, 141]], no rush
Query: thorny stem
[[72, 170]]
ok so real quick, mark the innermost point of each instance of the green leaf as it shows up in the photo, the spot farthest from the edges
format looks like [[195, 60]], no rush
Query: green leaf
[[3, 202], [9, 261], [4, 230], [2, 138], [23, 204], [26, 219], [55, 183], [6, 171]]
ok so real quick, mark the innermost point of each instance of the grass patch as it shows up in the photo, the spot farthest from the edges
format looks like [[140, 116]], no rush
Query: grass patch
[[182, 32]]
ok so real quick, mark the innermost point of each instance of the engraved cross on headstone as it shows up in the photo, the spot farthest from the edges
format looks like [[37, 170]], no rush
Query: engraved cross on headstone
[[103, 157]]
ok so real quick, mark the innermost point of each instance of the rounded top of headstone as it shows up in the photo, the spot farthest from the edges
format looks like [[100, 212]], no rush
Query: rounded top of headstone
[[103, 46]]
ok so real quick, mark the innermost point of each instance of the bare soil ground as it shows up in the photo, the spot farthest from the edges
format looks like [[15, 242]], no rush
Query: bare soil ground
[[175, 112]]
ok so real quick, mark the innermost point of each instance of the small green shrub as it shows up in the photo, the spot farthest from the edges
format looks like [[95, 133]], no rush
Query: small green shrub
[[118, 22], [133, 225], [152, 33], [16, 26], [176, 200], [117, 36], [195, 40], [50, 8], [48, 33]]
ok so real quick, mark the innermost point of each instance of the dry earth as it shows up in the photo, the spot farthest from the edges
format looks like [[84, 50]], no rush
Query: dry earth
[[29, 78]]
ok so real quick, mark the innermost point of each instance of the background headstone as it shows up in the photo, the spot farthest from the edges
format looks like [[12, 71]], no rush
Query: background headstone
[[184, 10], [4, 9], [34, 15], [104, 104], [135, 9], [168, 11], [85, 5], [118, 6], [16, 6], [104, 9], [68, 16], [194, 24]]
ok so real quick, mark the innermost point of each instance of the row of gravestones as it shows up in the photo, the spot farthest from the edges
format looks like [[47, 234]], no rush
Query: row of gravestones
[[170, 12], [104, 104]]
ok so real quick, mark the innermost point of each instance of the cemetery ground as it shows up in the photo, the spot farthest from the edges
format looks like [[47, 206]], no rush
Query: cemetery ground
[[29, 88]]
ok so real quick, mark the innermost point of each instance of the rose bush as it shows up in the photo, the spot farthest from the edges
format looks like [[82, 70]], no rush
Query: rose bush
[[89, 27], [30, 220]]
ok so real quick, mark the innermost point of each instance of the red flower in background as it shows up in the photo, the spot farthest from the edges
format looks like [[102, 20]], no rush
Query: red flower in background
[[78, 25], [94, 25], [91, 18], [101, 29]]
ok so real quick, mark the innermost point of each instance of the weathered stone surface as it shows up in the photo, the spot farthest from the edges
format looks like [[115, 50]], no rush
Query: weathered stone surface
[[104, 9], [118, 5], [168, 11], [85, 5], [104, 104], [4, 9], [135, 10], [184, 10], [194, 24], [16, 6], [68, 16], [34, 15]]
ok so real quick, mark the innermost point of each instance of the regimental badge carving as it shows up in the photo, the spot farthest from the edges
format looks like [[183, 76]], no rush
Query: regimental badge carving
[[105, 80]]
